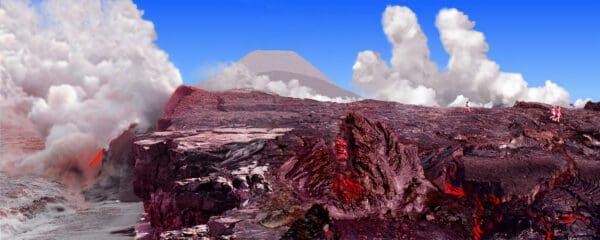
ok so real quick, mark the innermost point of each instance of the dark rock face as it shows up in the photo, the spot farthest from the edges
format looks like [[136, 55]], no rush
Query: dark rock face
[[248, 165], [594, 106], [314, 225]]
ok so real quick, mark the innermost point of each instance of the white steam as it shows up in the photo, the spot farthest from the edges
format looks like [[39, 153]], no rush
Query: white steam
[[238, 76], [580, 103], [83, 71], [413, 78]]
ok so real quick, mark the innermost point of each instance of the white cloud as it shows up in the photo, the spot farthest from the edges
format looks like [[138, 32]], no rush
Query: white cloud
[[237, 76], [580, 103], [372, 75], [413, 78], [550, 93], [410, 54], [85, 69]]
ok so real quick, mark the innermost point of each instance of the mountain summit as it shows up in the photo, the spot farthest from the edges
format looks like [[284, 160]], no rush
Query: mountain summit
[[266, 61], [286, 66]]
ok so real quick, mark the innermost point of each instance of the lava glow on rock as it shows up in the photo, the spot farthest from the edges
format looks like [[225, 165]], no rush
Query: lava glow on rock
[[452, 190], [341, 151], [345, 187]]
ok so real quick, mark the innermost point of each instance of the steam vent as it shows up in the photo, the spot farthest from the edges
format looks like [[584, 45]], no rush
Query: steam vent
[[250, 165]]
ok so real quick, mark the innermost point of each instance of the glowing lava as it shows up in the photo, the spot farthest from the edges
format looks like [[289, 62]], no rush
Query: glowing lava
[[347, 189], [570, 218], [494, 200], [341, 151], [479, 211], [549, 231], [452, 190], [96, 159]]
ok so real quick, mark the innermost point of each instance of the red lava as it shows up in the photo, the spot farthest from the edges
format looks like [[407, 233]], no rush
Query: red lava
[[97, 159], [452, 190], [570, 218], [347, 189], [479, 211], [341, 151], [494, 200], [547, 227]]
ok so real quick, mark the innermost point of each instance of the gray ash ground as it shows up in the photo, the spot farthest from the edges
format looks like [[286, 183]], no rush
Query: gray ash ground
[[38, 208]]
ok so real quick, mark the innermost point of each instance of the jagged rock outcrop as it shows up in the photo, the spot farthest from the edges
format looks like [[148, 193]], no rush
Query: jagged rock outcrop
[[249, 165], [376, 175]]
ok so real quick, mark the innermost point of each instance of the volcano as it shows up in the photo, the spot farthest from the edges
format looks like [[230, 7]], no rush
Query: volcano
[[286, 66]]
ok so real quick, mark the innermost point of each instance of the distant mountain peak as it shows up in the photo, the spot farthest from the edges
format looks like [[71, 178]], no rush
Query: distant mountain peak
[[278, 65], [263, 61]]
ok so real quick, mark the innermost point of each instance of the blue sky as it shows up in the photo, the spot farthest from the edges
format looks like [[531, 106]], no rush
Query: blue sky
[[543, 40]]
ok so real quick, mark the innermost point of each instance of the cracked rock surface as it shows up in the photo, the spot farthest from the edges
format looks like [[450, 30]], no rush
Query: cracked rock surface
[[249, 165]]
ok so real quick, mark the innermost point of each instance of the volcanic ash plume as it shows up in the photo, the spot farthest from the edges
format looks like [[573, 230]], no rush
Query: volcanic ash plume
[[413, 78], [81, 72]]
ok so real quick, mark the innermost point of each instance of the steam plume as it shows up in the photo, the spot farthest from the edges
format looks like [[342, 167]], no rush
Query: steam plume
[[580, 103], [471, 75], [83, 71]]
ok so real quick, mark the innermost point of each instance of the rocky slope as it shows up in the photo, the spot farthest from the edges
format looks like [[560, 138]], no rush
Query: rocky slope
[[249, 165]]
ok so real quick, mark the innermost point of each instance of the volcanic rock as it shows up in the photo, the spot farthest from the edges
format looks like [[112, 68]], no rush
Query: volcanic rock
[[594, 106], [314, 225], [250, 165]]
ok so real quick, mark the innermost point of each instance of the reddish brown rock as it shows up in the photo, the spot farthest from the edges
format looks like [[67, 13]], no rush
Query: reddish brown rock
[[404, 171], [380, 176]]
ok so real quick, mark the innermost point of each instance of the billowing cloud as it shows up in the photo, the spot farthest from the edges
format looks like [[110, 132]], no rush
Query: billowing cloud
[[470, 75], [580, 103], [410, 71], [410, 54], [83, 71], [372, 75], [237, 76]]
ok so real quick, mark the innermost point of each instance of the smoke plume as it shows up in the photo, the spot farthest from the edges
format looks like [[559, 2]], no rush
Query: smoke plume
[[81, 72], [413, 78]]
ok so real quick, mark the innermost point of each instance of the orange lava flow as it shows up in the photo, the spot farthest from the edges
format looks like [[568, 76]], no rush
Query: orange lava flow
[[96, 159], [452, 190]]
